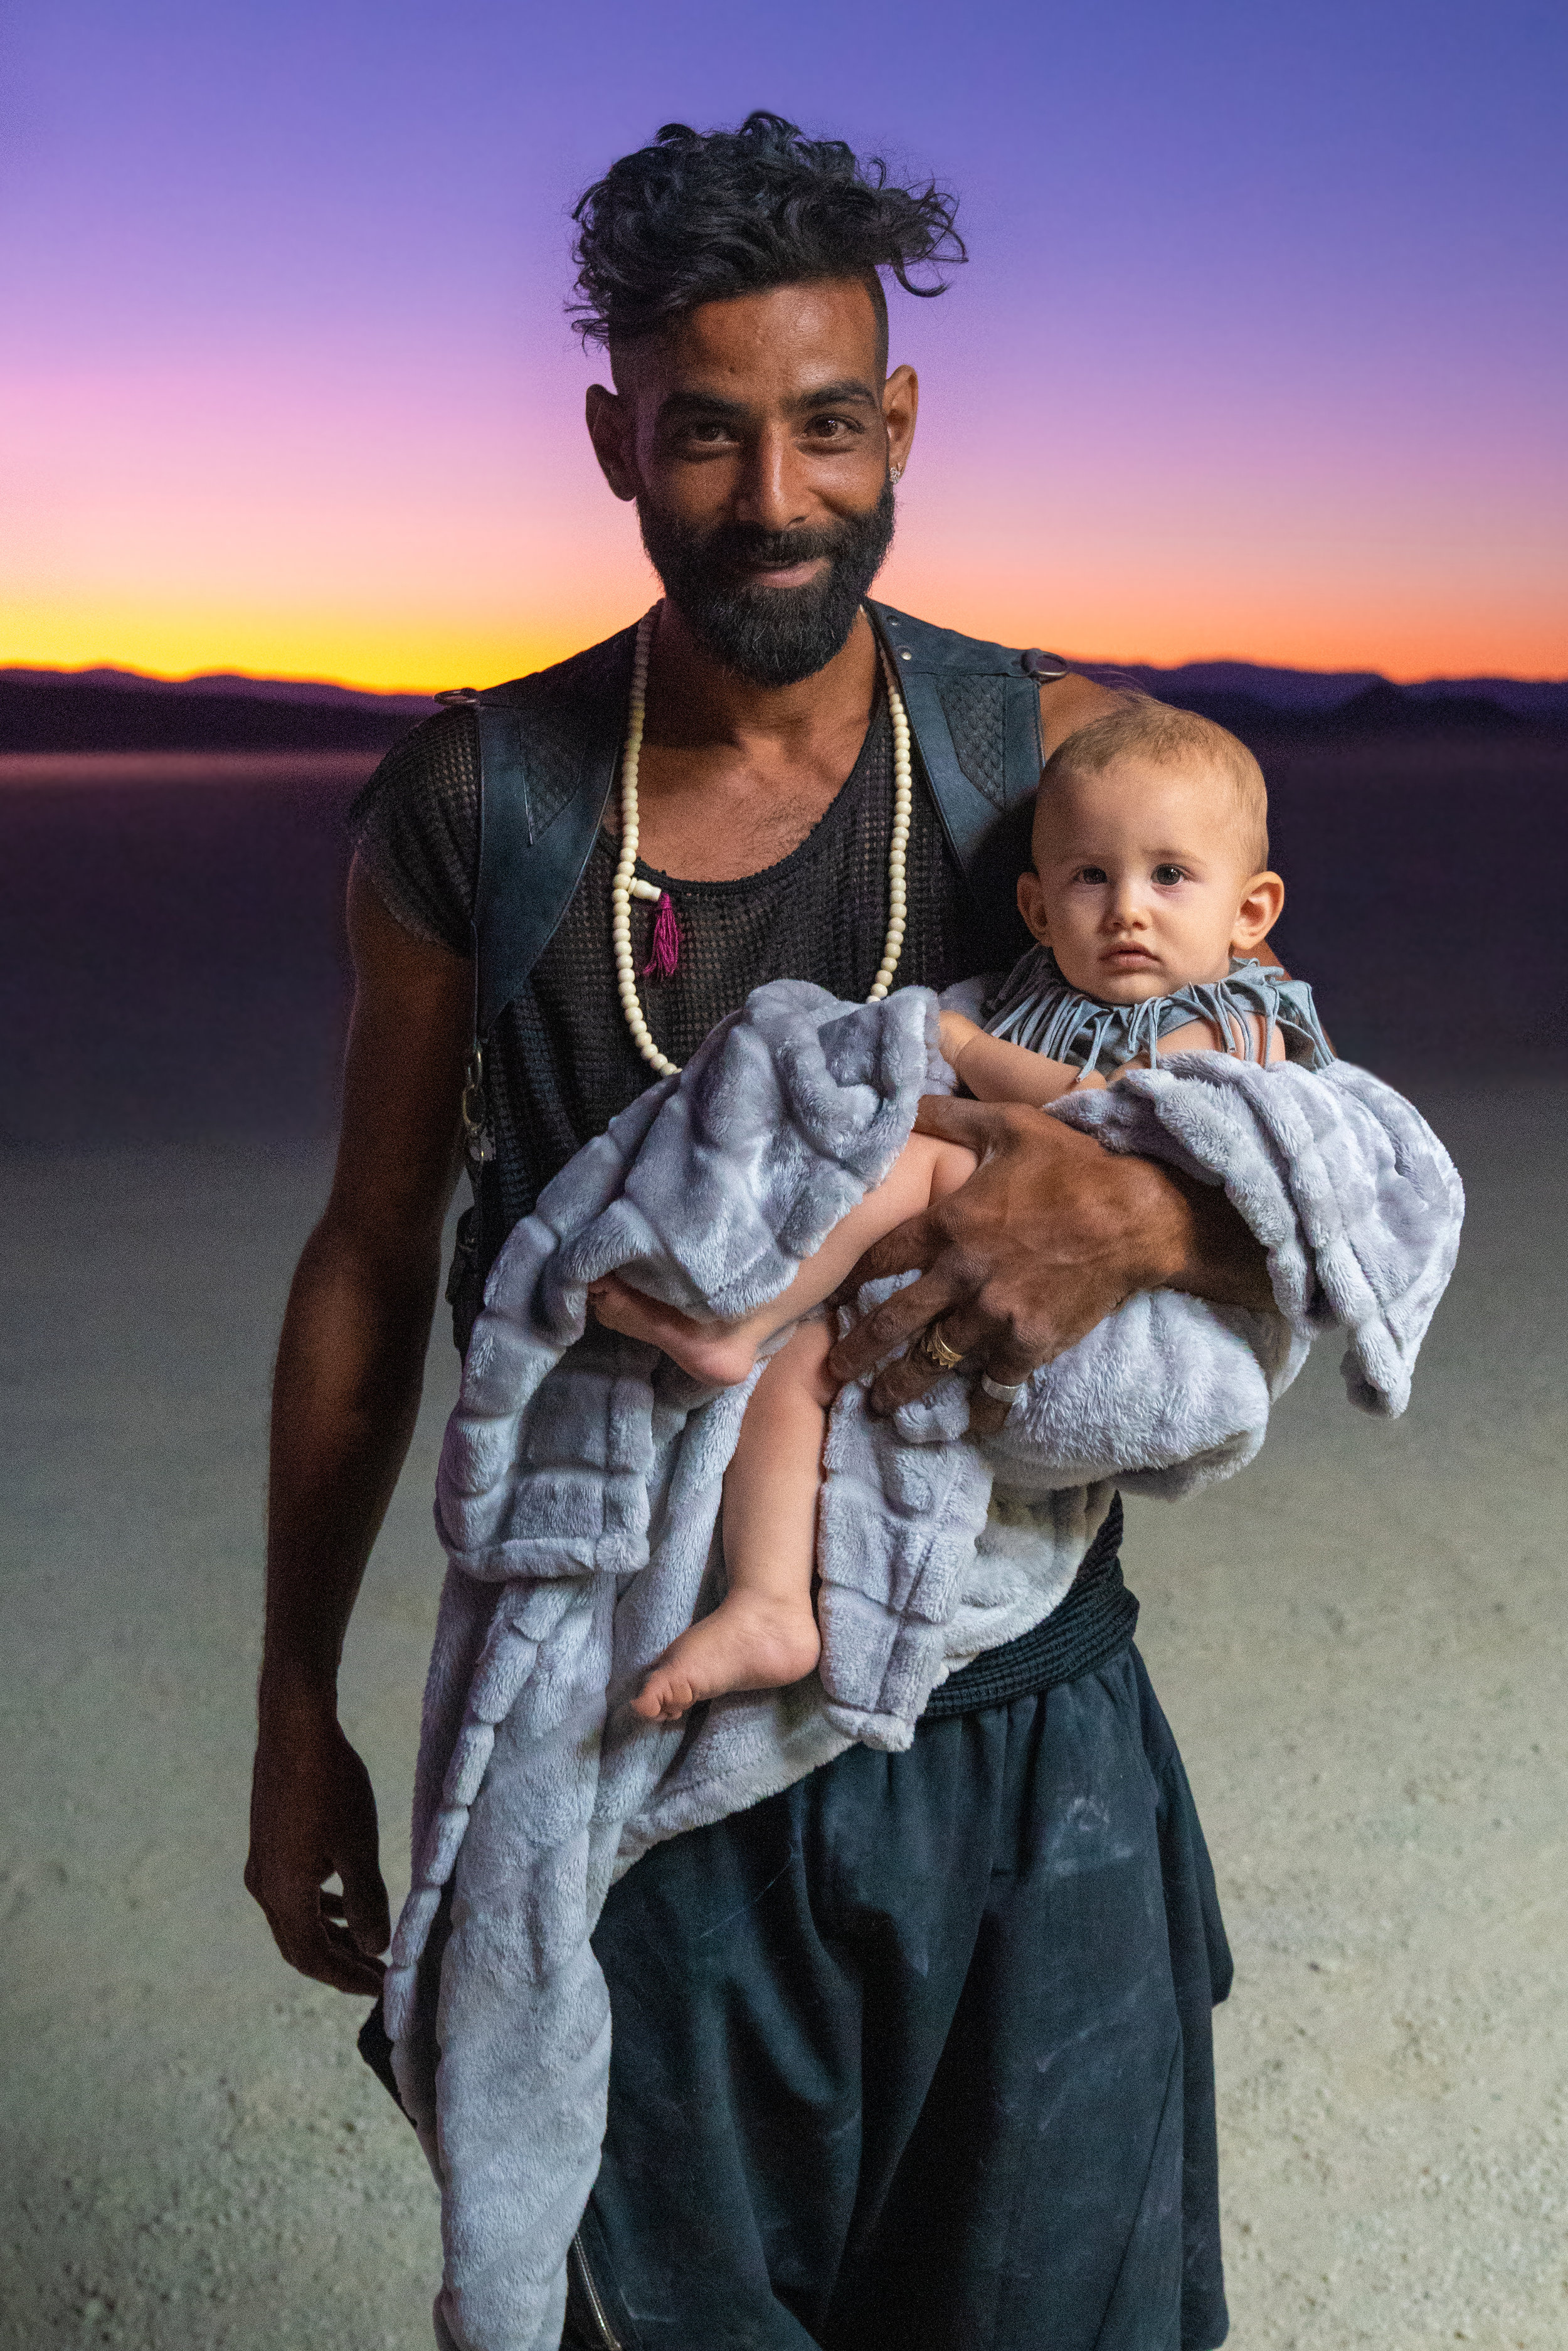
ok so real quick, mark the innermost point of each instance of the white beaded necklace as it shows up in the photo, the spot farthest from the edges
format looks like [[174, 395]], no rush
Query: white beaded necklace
[[627, 886]]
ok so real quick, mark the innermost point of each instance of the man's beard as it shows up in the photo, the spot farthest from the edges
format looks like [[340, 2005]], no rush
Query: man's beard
[[771, 636]]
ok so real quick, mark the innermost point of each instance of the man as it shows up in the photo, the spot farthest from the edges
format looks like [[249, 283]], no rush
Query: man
[[888, 2069]]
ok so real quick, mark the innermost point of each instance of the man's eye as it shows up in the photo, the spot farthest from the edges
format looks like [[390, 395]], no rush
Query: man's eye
[[831, 428], [1167, 875]]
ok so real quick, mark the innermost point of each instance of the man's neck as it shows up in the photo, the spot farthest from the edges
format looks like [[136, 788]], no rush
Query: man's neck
[[734, 776], [695, 703]]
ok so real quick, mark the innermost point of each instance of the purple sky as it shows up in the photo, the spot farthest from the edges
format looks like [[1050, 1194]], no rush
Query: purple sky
[[1260, 352]]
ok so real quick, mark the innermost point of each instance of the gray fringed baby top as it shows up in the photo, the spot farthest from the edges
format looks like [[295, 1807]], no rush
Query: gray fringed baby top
[[1036, 1007]]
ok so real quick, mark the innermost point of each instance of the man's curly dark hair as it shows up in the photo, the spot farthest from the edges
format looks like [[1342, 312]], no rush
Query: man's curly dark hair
[[702, 216]]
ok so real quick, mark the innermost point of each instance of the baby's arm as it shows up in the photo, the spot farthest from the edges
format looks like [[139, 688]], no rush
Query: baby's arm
[[1202, 1037], [994, 1070]]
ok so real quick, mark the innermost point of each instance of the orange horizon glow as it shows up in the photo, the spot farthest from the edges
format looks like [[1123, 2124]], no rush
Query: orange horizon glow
[[422, 664], [188, 520], [1251, 360], [527, 660]]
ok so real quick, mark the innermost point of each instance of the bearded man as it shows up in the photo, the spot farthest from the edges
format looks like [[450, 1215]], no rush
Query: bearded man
[[915, 2056]]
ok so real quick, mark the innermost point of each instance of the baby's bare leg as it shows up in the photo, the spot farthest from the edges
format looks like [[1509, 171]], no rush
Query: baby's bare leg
[[724, 1352], [762, 1635]]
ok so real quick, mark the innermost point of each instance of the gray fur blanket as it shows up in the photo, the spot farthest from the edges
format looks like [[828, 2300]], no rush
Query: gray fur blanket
[[579, 1497]]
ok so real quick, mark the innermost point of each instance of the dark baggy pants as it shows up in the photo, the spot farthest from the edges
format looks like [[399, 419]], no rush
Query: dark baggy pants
[[916, 2056]]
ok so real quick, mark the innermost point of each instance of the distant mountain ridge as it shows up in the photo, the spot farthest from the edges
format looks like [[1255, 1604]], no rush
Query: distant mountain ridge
[[1308, 691], [231, 683], [64, 711], [106, 709], [1380, 708]]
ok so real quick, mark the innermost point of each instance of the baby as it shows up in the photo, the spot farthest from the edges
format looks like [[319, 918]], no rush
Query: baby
[[1148, 894]]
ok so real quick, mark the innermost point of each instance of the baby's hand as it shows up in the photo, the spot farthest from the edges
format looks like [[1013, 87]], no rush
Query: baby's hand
[[956, 1030]]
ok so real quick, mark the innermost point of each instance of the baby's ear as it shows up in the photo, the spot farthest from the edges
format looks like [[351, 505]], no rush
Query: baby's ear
[[1261, 902], [1031, 904]]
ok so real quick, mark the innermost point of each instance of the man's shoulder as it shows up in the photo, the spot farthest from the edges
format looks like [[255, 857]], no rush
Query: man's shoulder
[[925, 645], [435, 762], [439, 757], [969, 674], [584, 677]]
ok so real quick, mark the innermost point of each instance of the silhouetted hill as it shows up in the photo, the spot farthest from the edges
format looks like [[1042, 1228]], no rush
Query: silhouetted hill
[[1380, 709], [74, 715], [222, 682], [118, 710], [1256, 693], [1385, 709]]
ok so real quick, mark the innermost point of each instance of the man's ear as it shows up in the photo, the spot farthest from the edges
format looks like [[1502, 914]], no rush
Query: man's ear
[[900, 406], [610, 429], [1031, 904], [1260, 911]]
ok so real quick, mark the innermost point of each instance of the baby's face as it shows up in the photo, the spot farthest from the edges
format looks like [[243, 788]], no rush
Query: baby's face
[[1142, 881]]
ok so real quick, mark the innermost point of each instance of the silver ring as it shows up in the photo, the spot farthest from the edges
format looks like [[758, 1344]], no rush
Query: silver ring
[[1000, 1389]]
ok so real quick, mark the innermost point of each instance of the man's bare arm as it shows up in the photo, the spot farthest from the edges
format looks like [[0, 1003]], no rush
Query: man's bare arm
[[1068, 703], [345, 1398]]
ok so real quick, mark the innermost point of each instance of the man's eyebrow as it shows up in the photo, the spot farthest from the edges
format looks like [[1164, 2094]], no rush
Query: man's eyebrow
[[849, 388], [836, 395], [700, 403]]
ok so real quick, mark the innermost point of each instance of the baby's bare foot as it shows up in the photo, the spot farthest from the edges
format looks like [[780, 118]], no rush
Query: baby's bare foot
[[747, 1643], [714, 1352]]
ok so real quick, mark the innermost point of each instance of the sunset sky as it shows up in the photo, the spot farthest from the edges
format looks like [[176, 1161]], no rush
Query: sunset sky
[[1261, 351]]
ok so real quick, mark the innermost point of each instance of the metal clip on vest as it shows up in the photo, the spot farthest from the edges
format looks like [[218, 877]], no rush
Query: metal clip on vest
[[478, 1141]]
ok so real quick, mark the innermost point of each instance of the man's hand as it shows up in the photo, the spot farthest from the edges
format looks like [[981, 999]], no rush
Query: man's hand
[[1049, 1236], [344, 1399], [313, 1816]]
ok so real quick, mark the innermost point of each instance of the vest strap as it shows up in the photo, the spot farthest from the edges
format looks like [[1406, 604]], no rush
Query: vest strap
[[928, 658], [535, 839]]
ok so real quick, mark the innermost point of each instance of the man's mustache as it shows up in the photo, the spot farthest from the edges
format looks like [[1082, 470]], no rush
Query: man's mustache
[[745, 546]]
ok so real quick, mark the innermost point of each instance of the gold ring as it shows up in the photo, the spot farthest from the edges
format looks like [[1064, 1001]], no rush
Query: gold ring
[[939, 1351]]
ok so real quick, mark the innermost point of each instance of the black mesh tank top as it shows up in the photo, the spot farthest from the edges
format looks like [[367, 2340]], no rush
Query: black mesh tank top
[[561, 1063]]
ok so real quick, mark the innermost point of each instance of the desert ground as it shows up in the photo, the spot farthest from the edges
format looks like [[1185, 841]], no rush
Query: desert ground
[[1359, 1642]]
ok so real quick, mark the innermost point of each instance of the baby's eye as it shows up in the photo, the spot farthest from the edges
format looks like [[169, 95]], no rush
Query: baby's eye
[[1166, 875], [1091, 873]]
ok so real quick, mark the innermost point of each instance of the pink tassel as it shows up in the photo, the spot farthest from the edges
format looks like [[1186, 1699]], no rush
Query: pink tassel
[[666, 954]]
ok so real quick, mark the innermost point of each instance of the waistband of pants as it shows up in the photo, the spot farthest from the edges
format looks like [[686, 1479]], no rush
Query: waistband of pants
[[1093, 1624]]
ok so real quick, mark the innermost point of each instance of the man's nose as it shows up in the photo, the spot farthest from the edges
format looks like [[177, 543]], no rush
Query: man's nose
[[770, 492]]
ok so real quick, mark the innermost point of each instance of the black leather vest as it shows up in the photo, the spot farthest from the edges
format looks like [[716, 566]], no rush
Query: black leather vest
[[549, 749]]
